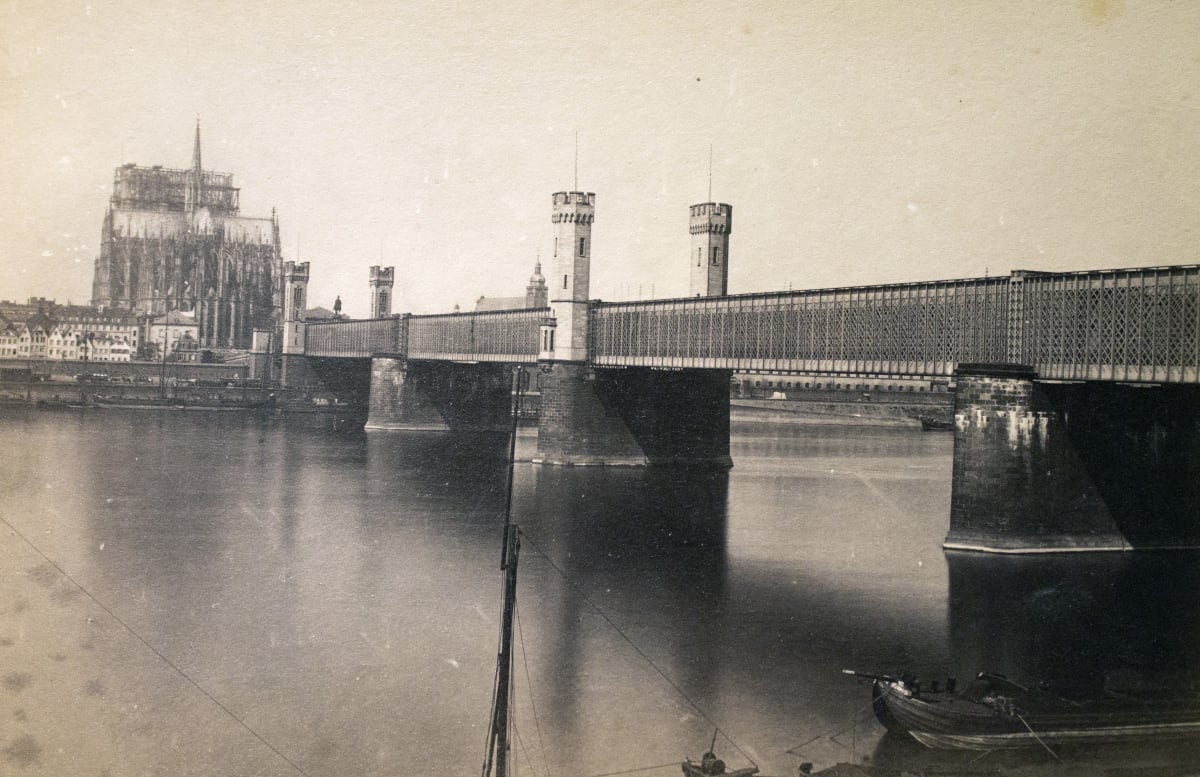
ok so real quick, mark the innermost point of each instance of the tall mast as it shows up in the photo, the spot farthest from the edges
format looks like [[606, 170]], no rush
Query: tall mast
[[498, 744]]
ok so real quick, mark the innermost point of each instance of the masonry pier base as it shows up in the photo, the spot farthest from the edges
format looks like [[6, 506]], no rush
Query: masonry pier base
[[433, 396], [632, 416], [1044, 467]]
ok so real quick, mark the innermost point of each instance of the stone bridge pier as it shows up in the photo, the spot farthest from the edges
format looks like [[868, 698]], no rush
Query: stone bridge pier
[[589, 416], [632, 416], [430, 395], [1044, 466]]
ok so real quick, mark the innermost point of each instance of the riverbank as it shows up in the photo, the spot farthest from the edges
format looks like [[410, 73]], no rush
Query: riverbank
[[846, 413]]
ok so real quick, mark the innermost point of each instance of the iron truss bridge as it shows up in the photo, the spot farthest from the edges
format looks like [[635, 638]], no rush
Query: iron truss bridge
[[1134, 325]]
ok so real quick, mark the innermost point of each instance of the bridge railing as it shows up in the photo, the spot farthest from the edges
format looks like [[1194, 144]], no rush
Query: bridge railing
[[498, 336], [903, 329], [1136, 325], [354, 339], [1139, 324]]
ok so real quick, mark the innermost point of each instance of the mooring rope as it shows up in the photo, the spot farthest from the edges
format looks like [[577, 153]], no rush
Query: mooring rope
[[529, 683], [1021, 718], [674, 764], [156, 651]]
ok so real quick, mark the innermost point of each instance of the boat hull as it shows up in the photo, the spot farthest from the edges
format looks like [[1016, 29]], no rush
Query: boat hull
[[998, 722]]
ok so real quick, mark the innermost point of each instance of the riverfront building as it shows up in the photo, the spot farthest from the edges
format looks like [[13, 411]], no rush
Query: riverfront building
[[43, 330], [536, 295], [174, 240]]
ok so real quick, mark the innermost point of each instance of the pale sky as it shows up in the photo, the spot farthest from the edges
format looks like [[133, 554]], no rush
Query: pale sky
[[858, 142]]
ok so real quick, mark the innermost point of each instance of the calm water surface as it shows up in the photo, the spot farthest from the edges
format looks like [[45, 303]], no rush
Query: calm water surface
[[274, 598]]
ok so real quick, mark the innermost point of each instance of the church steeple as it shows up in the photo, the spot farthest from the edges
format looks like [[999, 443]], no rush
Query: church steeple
[[536, 293], [195, 186]]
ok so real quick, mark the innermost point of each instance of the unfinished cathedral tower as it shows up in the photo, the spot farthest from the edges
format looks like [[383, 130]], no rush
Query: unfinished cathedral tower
[[710, 224], [173, 239]]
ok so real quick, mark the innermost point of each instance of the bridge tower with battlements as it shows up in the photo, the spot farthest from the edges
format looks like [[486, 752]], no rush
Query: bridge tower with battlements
[[295, 286], [623, 417], [572, 215], [295, 299], [710, 224], [382, 280]]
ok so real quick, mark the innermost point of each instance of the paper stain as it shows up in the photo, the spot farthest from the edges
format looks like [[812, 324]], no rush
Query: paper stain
[[23, 751], [1102, 11]]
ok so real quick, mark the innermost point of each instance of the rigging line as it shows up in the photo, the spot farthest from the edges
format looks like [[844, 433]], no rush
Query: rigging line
[[673, 764], [635, 647], [155, 650], [1021, 718], [832, 736], [980, 757], [524, 749], [529, 683]]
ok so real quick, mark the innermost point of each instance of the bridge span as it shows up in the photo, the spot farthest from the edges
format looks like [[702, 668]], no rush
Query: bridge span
[[1131, 325], [1077, 394]]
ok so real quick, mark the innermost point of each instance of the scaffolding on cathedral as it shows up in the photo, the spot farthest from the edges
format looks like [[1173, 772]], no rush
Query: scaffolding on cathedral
[[173, 239]]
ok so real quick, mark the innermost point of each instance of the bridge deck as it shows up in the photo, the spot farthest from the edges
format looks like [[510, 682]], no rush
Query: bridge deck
[[1138, 325]]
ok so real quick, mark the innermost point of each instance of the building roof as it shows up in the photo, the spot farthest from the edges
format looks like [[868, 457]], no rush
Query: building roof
[[18, 312], [499, 303], [175, 318], [319, 314]]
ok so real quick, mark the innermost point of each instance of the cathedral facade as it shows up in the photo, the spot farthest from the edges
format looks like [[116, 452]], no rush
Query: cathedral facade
[[174, 240]]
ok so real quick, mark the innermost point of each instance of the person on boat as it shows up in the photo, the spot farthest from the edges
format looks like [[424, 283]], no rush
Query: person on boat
[[710, 764]]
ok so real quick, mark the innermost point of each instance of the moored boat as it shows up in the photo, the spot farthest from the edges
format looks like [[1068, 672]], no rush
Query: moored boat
[[710, 765], [60, 404], [994, 713]]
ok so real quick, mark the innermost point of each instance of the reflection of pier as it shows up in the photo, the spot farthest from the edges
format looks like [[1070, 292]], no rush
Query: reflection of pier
[[1076, 621], [669, 539]]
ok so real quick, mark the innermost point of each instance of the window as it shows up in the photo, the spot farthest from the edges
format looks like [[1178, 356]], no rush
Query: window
[[699, 256], [581, 245], [716, 256], [564, 281]]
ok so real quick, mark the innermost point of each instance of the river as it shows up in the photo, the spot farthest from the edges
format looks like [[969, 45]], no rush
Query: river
[[208, 593]]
